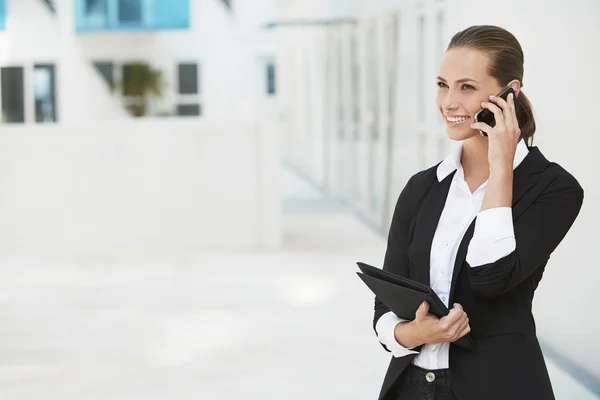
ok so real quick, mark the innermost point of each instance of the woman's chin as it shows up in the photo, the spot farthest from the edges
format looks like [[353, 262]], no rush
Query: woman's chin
[[460, 134]]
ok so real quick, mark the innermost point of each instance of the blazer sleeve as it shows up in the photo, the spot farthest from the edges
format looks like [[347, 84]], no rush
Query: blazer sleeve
[[397, 243], [538, 231]]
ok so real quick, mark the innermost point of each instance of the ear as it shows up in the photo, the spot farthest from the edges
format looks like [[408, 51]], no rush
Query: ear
[[516, 85]]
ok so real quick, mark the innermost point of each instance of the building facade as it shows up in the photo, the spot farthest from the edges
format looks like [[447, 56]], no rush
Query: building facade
[[72, 60]]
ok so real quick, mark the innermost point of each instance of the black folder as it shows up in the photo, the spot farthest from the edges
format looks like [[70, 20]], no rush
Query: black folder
[[403, 296]]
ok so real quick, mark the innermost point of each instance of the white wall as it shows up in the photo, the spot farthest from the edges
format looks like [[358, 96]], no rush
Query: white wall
[[33, 36], [319, 9], [138, 190]]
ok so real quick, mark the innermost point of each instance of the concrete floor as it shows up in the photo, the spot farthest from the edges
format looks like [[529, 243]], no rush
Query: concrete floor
[[289, 325]]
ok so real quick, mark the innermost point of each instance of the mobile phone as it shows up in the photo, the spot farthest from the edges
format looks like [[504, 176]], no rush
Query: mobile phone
[[486, 116]]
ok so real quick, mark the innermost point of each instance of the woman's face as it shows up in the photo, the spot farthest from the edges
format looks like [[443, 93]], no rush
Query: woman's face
[[462, 85]]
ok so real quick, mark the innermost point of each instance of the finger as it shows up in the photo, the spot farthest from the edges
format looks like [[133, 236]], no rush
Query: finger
[[422, 311], [498, 115], [458, 329], [482, 126], [460, 322], [464, 332], [448, 321], [451, 334], [463, 325], [500, 102], [515, 120], [507, 111], [461, 314]]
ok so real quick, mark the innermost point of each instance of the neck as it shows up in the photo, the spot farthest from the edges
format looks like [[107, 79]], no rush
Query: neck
[[474, 158]]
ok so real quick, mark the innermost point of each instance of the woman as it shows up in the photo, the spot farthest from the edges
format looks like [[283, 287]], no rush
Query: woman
[[478, 228]]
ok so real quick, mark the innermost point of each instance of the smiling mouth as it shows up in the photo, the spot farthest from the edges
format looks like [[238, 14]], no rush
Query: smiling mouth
[[456, 119]]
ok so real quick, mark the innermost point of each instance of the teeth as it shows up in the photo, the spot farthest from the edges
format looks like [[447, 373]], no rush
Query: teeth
[[456, 119]]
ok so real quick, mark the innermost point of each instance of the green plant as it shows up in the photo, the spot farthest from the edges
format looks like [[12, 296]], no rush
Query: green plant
[[139, 82]]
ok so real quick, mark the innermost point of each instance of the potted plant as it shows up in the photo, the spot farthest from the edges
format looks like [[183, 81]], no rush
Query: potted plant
[[139, 82]]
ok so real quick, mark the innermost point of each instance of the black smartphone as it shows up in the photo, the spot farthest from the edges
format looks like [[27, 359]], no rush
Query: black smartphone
[[486, 116]]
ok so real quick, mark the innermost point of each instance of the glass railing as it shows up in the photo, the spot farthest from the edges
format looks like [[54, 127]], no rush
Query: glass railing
[[2, 14], [134, 15]]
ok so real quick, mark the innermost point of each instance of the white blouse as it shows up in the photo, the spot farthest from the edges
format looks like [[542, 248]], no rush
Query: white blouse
[[493, 238]]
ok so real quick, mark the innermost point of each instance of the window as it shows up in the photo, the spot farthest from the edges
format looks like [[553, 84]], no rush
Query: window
[[13, 99], [2, 14], [188, 88], [44, 93], [99, 15], [95, 12], [130, 11], [107, 70], [94, 6], [271, 78], [188, 78], [189, 110]]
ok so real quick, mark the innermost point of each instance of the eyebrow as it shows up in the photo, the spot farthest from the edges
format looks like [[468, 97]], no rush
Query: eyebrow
[[460, 80]]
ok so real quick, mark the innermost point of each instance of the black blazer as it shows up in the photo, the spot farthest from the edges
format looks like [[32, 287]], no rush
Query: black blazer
[[506, 362]]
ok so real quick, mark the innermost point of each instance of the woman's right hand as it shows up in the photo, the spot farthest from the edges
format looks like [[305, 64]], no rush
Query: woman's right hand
[[427, 328]]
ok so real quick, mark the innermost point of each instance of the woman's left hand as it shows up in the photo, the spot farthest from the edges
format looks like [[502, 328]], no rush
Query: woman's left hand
[[504, 137]]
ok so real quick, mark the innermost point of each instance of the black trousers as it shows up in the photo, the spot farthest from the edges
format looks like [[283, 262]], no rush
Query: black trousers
[[420, 384]]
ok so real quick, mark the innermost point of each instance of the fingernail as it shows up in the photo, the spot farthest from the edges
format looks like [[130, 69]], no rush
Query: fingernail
[[491, 97], [483, 103]]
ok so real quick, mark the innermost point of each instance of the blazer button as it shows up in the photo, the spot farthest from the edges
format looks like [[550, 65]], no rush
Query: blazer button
[[430, 377]]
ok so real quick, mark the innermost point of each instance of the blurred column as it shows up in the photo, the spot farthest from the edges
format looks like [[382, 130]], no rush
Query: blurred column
[[81, 94]]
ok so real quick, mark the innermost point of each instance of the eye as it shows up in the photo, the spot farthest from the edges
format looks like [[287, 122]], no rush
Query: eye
[[468, 87], [442, 85]]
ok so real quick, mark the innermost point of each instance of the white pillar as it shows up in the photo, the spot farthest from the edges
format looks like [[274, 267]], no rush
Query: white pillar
[[81, 94]]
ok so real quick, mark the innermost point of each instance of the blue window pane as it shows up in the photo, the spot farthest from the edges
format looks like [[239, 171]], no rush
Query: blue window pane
[[108, 15], [2, 14], [92, 14], [172, 13], [94, 6], [130, 11]]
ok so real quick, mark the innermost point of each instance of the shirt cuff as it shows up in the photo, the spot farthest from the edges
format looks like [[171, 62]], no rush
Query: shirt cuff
[[385, 328], [493, 238]]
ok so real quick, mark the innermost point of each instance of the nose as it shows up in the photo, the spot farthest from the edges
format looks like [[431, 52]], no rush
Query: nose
[[449, 102]]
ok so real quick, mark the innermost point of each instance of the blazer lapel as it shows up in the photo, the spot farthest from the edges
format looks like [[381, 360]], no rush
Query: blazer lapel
[[461, 255], [426, 224], [526, 175]]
